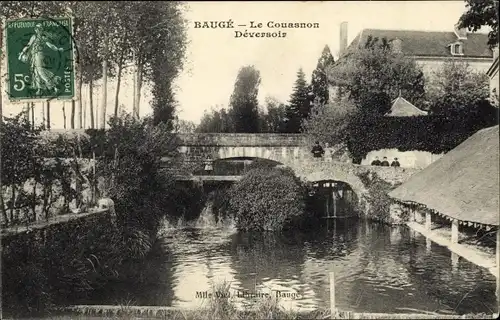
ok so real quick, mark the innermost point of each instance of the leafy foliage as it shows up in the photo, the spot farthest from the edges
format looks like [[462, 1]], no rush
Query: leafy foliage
[[34, 187], [481, 13], [329, 123], [267, 199], [243, 102], [216, 121], [129, 157], [455, 87], [378, 197], [299, 105], [319, 82], [133, 160], [375, 74], [435, 134], [270, 119], [273, 118]]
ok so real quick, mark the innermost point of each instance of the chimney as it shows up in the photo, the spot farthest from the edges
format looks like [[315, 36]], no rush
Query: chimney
[[461, 33], [343, 38]]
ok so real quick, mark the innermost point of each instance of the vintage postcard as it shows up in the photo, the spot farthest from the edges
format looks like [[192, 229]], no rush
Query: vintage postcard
[[249, 160]]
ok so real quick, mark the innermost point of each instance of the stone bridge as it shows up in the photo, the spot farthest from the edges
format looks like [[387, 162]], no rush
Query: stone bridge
[[291, 150]]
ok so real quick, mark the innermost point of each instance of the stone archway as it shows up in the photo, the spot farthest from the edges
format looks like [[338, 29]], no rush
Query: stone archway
[[345, 172]]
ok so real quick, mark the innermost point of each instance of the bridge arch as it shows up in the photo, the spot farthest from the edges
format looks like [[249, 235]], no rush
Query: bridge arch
[[277, 154]]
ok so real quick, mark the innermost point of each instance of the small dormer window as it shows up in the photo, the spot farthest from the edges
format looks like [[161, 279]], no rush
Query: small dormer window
[[457, 49]]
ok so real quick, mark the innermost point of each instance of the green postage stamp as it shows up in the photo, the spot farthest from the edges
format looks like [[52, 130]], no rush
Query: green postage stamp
[[40, 59]]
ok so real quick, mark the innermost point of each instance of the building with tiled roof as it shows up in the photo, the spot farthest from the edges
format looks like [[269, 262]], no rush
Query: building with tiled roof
[[429, 48], [403, 108]]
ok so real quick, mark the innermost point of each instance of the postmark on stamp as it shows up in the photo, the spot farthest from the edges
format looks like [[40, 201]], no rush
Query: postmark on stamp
[[40, 59]]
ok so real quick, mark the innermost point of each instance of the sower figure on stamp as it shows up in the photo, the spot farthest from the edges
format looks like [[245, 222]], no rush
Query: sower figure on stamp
[[42, 78]]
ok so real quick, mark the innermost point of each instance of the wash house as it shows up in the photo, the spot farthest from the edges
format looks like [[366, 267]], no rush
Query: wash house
[[455, 200]]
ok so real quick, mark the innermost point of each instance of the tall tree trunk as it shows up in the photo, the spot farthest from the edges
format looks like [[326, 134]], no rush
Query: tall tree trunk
[[33, 115], [72, 115], [118, 82], [96, 119], [91, 105], [43, 113], [48, 115], [84, 114], [104, 85], [80, 95], [139, 88], [73, 102], [27, 111], [134, 82]]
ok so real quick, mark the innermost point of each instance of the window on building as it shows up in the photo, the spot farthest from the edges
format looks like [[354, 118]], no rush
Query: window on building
[[457, 49]]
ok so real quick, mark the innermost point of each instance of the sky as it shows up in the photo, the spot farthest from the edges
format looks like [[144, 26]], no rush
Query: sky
[[214, 56]]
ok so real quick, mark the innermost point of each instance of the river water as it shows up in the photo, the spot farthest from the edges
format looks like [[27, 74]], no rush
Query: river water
[[377, 269]]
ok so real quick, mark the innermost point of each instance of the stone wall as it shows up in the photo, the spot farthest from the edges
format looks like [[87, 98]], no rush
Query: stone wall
[[243, 139]]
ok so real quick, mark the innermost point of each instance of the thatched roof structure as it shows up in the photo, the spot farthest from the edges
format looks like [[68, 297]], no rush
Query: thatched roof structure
[[403, 108], [463, 184]]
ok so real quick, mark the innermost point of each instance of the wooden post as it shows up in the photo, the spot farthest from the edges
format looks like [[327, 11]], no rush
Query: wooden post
[[334, 204], [428, 220], [328, 205], [428, 244], [454, 261], [332, 295], [454, 231]]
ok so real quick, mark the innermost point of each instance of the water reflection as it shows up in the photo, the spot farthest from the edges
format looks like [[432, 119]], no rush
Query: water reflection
[[377, 269]]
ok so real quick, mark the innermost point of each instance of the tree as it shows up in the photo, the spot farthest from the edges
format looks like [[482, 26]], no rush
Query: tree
[[455, 87], [87, 37], [243, 103], [158, 35], [273, 120], [330, 122], [267, 199], [374, 75], [319, 81], [300, 104], [219, 121], [184, 126], [481, 13]]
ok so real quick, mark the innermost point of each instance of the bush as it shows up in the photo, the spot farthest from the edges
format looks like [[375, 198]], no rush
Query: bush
[[267, 199], [378, 197]]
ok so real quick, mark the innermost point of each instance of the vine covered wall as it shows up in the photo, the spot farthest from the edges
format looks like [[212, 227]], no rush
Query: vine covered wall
[[434, 133]]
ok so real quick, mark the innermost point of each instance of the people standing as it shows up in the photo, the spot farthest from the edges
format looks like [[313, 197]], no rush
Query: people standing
[[384, 162], [209, 165], [317, 150], [395, 163], [376, 162]]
